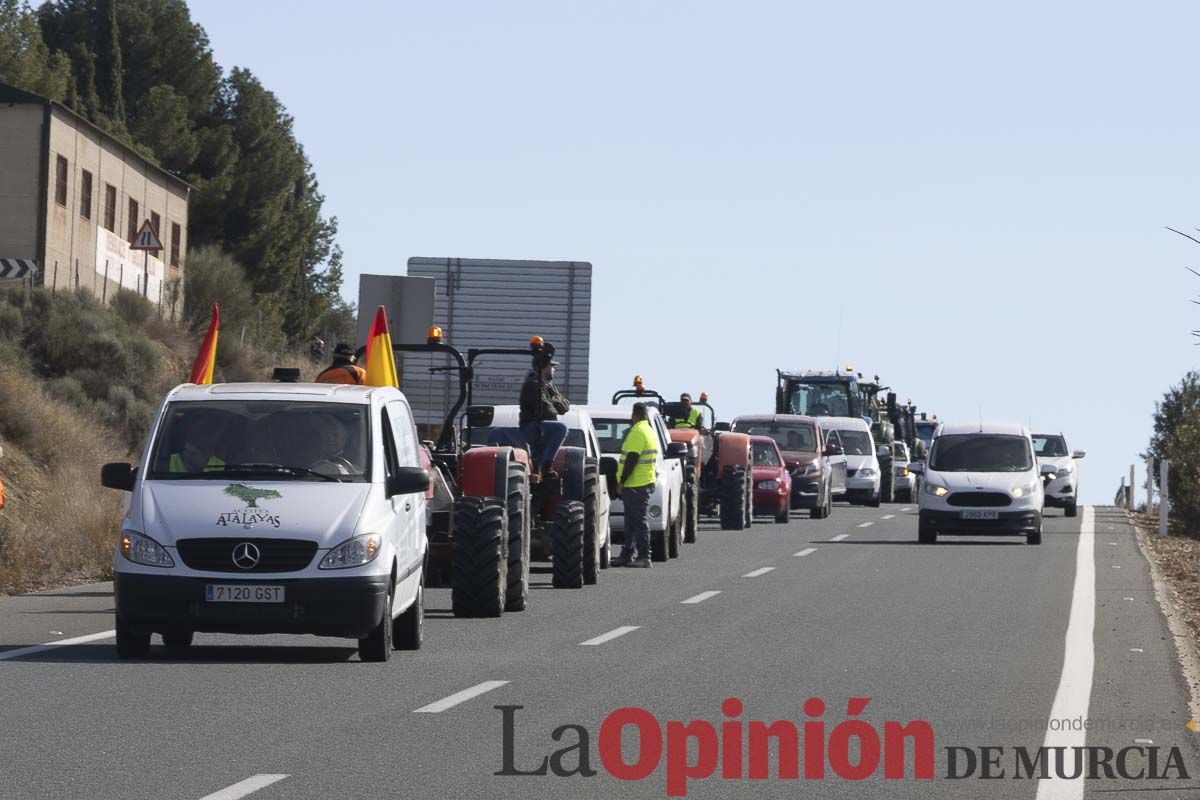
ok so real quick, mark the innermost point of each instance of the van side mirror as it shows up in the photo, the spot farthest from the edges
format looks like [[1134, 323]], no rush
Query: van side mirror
[[608, 467], [721, 426], [1079, 454], [677, 450], [118, 475], [408, 480], [832, 449]]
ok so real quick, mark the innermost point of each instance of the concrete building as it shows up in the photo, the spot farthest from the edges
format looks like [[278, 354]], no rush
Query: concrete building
[[72, 198]]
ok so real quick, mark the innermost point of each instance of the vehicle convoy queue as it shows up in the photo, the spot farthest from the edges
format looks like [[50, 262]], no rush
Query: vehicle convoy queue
[[289, 507]]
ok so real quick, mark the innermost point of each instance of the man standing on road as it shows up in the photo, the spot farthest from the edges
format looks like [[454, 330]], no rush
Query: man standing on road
[[343, 369], [635, 485]]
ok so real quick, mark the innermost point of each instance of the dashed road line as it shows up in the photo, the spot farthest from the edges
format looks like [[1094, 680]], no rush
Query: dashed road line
[[613, 634], [41, 648], [805, 551], [865, 524], [906, 509], [243, 788], [888, 516], [460, 697], [700, 598], [840, 537], [757, 572]]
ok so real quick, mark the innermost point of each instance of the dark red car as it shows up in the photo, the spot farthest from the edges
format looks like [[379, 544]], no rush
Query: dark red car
[[772, 483]]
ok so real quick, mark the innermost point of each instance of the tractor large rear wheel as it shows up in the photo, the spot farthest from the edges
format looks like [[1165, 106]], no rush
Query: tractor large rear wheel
[[733, 498], [517, 592], [480, 573], [566, 544], [591, 531]]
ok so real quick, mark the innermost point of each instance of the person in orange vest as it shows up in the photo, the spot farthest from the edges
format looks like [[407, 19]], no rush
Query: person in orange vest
[[343, 369]]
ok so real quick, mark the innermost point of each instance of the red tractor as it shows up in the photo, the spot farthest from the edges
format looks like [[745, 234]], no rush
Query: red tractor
[[484, 511], [719, 479]]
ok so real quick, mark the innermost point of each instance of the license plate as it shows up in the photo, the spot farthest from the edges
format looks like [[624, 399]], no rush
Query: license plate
[[981, 515], [243, 593]]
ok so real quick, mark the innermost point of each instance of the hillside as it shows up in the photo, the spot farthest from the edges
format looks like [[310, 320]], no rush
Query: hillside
[[79, 384]]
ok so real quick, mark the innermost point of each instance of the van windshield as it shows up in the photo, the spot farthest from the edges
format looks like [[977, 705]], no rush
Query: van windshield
[[978, 452], [1049, 446], [275, 439], [856, 443]]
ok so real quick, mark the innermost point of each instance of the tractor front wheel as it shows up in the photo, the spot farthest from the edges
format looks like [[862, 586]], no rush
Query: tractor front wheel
[[566, 544], [480, 574]]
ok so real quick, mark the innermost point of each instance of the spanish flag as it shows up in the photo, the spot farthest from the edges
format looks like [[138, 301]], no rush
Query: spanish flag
[[206, 359], [381, 362]]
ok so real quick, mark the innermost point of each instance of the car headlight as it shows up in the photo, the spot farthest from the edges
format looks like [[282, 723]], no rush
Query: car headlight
[[936, 490], [901, 472], [866, 472], [353, 552], [1022, 491], [656, 511], [141, 549], [768, 484]]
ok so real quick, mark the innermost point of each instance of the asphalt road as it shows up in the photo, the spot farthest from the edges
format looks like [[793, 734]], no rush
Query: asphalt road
[[969, 635]]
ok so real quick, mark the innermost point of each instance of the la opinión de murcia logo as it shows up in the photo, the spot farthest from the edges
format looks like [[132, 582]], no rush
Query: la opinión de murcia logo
[[853, 749]]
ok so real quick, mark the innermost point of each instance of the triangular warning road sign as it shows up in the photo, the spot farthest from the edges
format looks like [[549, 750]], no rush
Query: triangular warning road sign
[[147, 238]]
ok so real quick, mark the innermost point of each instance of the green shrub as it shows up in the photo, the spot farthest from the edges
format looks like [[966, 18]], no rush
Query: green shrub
[[133, 308], [68, 389], [1177, 438], [12, 322]]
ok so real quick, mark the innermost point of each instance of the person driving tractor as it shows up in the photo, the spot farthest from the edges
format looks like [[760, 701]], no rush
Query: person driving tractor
[[541, 403], [690, 416]]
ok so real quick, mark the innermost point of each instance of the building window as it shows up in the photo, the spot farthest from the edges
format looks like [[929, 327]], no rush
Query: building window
[[133, 219], [60, 182], [156, 223], [85, 195], [110, 207], [175, 236]]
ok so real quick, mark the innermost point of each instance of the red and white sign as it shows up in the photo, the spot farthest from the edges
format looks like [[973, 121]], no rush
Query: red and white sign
[[147, 239]]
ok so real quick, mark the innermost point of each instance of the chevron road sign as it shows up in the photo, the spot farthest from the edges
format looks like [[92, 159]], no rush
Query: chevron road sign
[[17, 268]]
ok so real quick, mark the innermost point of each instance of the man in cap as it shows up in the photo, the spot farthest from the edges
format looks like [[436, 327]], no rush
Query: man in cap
[[541, 403], [639, 465], [343, 369], [690, 416]]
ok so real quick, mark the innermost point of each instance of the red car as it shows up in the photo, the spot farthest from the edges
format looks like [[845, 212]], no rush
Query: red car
[[772, 483]]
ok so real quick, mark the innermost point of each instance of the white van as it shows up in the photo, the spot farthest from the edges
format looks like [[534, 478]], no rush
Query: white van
[[981, 478], [852, 435], [611, 423], [274, 508]]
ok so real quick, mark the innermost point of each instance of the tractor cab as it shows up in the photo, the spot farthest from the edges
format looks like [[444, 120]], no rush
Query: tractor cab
[[820, 394]]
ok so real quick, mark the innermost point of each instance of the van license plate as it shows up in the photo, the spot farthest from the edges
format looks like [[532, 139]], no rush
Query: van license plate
[[243, 593], [981, 515]]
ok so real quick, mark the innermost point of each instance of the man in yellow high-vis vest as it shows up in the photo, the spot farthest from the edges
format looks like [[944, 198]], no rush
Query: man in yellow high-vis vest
[[692, 418], [639, 471]]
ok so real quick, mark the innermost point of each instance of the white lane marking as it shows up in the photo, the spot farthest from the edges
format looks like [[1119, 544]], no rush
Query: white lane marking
[[1128, 598], [1136, 650], [757, 572], [39, 648], [613, 634], [865, 524], [700, 598], [1143, 741], [839, 537], [888, 516], [1116, 566], [805, 552], [459, 697], [906, 509], [1079, 656], [243, 788]]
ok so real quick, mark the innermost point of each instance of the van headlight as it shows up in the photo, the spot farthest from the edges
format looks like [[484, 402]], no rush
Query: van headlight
[[353, 552], [867, 472], [141, 549], [935, 489], [1022, 491]]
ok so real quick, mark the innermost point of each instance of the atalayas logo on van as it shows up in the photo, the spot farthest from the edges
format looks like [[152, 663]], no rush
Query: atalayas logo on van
[[252, 514]]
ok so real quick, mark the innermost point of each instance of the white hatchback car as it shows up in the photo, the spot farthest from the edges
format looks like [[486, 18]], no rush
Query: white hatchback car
[[852, 436], [1062, 491], [274, 508], [981, 478]]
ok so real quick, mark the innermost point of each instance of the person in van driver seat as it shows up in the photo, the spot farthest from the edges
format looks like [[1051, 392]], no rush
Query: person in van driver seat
[[541, 403], [330, 439], [196, 437]]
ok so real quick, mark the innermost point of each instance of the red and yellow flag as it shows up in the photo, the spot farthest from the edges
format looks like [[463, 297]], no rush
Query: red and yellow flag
[[206, 358], [381, 362]]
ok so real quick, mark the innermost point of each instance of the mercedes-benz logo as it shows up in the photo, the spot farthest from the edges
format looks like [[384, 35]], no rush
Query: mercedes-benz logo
[[246, 555]]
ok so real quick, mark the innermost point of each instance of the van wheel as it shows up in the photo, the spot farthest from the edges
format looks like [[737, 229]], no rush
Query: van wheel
[[874, 501], [566, 545], [926, 534], [606, 551], [691, 507], [408, 629], [377, 647], [784, 516], [516, 595], [675, 539], [1034, 537], [480, 577], [658, 545], [130, 644], [733, 498], [1072, 510], [591, 533], [178, 638]]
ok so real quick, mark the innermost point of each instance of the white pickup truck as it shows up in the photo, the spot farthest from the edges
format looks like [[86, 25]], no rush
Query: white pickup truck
[[666, 502]]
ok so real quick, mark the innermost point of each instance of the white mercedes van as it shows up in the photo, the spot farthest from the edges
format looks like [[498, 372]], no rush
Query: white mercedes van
[[981, 478], [274, 508]]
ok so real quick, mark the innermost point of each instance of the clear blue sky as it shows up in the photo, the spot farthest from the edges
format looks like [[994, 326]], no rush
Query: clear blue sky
[[969, 201]]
